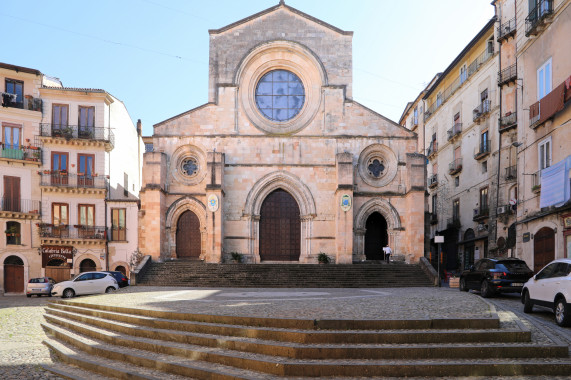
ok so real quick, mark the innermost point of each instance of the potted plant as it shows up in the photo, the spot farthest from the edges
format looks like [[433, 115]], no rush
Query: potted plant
[[236, 257], [11, 231], [322, 258]]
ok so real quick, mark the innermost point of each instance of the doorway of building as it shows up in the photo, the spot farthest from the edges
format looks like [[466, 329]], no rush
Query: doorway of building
[[121, 268], [188, 244], [543, 248], [280, 228], [13, 275], [376, 237], [59, 270], [87, 265]]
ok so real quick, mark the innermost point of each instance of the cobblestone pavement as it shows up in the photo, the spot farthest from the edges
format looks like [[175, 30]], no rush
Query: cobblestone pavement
[[21, 348]]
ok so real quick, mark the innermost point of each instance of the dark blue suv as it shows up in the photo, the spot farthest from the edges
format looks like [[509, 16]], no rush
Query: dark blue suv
[[496, 275]]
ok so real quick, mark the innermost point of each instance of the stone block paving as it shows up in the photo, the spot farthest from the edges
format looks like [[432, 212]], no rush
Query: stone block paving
[[22, 353]]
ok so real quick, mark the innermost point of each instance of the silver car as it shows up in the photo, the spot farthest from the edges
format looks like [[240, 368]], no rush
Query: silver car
[[86, 283], [41, 286]]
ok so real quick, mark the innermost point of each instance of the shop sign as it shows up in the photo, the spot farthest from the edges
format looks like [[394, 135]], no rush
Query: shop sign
[[526, 237], [56, 252]]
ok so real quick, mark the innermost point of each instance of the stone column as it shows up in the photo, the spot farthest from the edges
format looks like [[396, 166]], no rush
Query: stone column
[[344, 209], [214, 207]]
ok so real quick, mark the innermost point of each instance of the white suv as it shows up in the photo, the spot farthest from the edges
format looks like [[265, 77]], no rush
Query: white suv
[[551, 287], [86, 283]]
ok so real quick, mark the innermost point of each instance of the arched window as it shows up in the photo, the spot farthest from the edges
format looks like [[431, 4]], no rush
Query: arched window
[[13, 233]]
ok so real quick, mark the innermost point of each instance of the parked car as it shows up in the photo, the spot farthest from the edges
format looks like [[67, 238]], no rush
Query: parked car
[[496, 275], [86, 283], [40, 286], [122, 280], [550, 287]]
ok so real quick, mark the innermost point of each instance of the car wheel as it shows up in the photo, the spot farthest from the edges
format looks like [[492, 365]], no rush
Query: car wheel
[[527, 304], [562, 313], [68, 293], [29, 295], [110, 289], [485, 290], [463, 287]]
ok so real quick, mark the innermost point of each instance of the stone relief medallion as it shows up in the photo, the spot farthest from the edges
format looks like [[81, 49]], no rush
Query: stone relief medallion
[[213, 202], [346, 202], [188, 165], [377, 165]]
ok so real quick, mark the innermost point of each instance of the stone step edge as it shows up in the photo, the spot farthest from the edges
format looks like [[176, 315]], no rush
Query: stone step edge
[[308, 324], [254, 342], [487, 368], [147, 360], [264, 362]]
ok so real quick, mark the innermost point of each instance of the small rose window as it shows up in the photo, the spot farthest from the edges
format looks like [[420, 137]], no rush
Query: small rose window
[[376, 167], [189, 167]]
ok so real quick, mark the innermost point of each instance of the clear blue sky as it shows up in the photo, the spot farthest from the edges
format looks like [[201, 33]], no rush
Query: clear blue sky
[[153, 54]]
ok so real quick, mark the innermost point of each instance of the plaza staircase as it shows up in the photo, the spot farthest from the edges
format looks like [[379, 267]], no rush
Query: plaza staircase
[[199, 274], [105, 341]]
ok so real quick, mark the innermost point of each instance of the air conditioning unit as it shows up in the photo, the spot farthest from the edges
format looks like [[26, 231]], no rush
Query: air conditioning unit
[[502, 210]]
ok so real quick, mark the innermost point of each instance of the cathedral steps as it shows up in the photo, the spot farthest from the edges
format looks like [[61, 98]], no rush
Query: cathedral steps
[[135, 343], [197, 274]]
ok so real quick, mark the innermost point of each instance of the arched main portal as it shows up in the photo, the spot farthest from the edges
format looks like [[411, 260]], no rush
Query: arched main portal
[[376, 236], [280, 227], [87, 265], [543, 248], [188, 239], [13, 275]]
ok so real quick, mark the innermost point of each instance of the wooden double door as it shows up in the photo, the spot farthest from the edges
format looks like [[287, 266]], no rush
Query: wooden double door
[[543, 248], [188, 239], [13, 278], [280, 228]]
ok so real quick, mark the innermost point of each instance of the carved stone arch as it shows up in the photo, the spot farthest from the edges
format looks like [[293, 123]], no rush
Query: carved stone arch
[[298, 190], [174, 212], [77, 261], [394, 227]]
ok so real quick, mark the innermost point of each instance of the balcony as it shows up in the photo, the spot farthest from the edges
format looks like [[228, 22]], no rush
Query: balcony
[[483, 150], [536, 182], [454, 222], [60, 181], [433, 181], [507, 75], [511, 173], [508, 121], [432, 148], [433, 218], [539, 17], [96, 234], [21, 153], [506, 30], [455, 166], [19, 208], [29, 102], [481, 213], [79, 133], [482, 110], [505, 210], [454, 131]]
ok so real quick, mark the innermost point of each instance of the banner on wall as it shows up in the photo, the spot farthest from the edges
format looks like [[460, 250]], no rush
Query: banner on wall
[[56, 252]]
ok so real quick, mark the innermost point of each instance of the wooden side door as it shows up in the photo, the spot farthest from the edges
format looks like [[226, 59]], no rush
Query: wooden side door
[[13, 278], [543, 248]]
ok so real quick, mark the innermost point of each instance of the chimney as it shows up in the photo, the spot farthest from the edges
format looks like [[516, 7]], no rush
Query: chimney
[[139, 127]]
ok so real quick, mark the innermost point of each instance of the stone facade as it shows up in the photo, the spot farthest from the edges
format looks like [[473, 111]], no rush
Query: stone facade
[[320, 157]]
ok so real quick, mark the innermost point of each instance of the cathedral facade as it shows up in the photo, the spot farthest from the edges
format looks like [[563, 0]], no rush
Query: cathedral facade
[[281, 164]]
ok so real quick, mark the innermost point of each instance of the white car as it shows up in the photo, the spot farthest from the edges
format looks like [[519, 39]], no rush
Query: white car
[[86, 283], [550, 287]]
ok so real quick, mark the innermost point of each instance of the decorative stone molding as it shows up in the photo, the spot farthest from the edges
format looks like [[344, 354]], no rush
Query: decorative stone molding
[[173, 214], [280, 55], [77, 262], [184, 155], [370, 159], [381, 206]]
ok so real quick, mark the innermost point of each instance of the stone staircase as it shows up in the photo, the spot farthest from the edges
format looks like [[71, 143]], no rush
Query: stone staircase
[[198, 274], [115, 342]]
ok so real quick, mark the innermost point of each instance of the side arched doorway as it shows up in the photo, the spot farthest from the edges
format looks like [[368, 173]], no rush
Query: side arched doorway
[[58, 269], [13, 275], [280, 228], [543, 248], [121, 268], [188, 237], [376, 236], [87, 265]]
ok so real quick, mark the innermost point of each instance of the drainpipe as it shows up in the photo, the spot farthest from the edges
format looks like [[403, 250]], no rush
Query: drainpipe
[[499, 143]]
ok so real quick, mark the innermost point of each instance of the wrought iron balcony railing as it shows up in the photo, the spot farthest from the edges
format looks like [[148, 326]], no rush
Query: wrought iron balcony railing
[[72, 232], [28, 103], [432, 148], [537, 16], [507, 75], [455, 166], [433, 218], [511, 173], [454, 222], [506, 30], [483, 150], [62, 179], [454, 131], [433, 180], [24, 153], [508, 121], [481, 213], [26, 206], [482, 109], [78, 132]]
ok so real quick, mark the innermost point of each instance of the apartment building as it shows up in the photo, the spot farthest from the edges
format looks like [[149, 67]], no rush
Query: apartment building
[[86, 184], [543, 227], [461, 144]]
